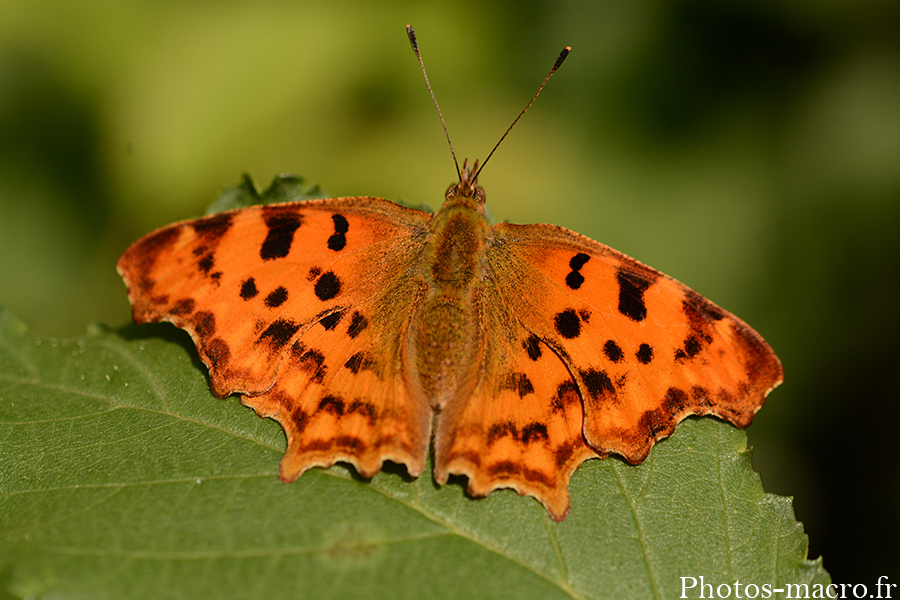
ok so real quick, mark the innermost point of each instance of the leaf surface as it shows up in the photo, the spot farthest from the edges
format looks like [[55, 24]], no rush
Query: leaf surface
[[123, 474]]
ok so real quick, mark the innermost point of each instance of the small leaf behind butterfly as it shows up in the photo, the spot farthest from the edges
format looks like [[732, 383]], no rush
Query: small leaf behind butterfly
[[284, 188]]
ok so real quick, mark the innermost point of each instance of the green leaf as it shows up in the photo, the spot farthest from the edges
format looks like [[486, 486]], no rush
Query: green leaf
[[121, 474], [284, 188]]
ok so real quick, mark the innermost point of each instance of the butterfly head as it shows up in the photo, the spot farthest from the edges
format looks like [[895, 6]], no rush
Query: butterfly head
[[468, 185]]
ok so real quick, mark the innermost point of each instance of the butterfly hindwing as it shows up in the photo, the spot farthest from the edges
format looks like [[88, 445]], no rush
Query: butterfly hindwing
[[341, 396], [521, 426]]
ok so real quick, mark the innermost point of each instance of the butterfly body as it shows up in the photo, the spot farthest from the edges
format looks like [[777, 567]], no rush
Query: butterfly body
[[444, 342], [367, 330]]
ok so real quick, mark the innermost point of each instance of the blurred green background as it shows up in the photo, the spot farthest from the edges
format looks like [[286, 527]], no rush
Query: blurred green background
[[749, 149]]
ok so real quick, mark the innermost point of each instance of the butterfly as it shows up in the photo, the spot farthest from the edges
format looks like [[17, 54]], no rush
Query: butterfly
[[369, 330]]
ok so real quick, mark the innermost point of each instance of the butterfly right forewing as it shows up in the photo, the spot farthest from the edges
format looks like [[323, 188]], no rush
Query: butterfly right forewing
[[644, 350]]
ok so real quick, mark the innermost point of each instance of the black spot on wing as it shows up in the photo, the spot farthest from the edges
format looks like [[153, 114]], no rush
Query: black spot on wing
[[248, 289], [185, 306], [218, 353], [359, 361], [204, 323], [519, 383], [211, 229], [498, 430], [691, 348], [574, 279], [354, 363], [279, 333], [532, 347], [313, 273], [563, 453], [206, 263], [331, 321], [566, 393], [676, 400], [598, 384], [358, 323], [534, 432], [613, 351], [578, 261], [701, 314], [701, 395], [282, 223], [514, 470], [337, 241], [566, 388], [644, 354], [655, 423], [694, 302], [299, 417], [310, 361], [568, 324], [332, 404], [365, 409], [277, 297], [631, 294], [346, 443], [531, 433], [327, 286]]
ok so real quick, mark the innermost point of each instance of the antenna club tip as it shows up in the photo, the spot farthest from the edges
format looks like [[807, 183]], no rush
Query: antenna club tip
[[562, 57], [411, 34]]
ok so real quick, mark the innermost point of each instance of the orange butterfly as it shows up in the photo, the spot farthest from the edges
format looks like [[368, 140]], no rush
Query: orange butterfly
[[365, 328]]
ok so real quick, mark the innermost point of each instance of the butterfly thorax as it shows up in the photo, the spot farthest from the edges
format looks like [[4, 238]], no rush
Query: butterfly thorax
[[444, 330]]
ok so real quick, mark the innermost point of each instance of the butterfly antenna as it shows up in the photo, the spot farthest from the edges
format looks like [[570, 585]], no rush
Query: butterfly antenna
[[415, 46], [559, 61]]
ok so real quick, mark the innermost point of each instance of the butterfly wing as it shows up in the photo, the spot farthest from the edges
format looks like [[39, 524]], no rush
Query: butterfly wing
[[644, 350], [601, 354], [311, 294], [521, 426]]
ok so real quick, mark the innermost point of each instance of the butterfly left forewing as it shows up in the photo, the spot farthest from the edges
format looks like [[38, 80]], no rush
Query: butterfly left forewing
[[644, 350], [246, 283], [301, 308]]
